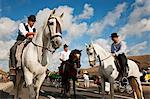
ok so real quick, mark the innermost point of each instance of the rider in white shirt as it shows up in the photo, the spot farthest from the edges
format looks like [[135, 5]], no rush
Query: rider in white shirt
[[64, 55], [25, 31]]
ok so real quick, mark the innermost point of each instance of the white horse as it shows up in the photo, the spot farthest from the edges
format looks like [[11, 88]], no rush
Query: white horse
[[35, 57], [108, 70]]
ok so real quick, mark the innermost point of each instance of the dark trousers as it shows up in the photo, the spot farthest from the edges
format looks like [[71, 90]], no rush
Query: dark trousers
[[123, 63], [12, 58]]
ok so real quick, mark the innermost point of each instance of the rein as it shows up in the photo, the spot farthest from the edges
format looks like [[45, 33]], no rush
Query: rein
[[42, 47], [104, 58]]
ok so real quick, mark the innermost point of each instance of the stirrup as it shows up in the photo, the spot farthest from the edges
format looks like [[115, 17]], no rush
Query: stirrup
[[12, 68], [124, 79]]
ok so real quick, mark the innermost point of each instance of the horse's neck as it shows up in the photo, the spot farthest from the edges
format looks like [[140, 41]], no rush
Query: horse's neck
[[101, 52], [104, 55], [40, 40]]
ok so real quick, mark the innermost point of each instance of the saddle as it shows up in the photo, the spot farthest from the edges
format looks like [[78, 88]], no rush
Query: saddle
[[66, 69]]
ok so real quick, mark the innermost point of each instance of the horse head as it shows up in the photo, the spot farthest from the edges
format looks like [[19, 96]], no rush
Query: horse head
[[75, 56], [91, 54], [53, 31]]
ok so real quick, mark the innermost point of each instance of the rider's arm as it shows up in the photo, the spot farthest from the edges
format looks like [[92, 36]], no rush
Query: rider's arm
[[61, 57], [24, 32], [112, 48], [22, 29], [30, 33], [122, 49]]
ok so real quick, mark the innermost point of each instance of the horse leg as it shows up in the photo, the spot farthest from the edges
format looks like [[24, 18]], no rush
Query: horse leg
[[29, 82], [140, 86], [38, 84], [18, 84], [68, 87], [111, 87], [103, 86], [74, 88], [137, 88]]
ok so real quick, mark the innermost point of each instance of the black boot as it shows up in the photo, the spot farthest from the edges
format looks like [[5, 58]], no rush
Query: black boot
[[12, 75]]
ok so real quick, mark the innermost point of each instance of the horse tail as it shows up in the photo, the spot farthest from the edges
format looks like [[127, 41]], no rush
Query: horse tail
[[136, 86]]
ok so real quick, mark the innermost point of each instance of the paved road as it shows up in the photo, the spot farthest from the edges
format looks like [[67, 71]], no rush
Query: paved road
[[91, 93]]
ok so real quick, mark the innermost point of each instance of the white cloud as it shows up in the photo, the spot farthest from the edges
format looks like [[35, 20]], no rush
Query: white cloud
[[75, 31], [7, 26], [104, 43], [109, 20], [135, 28], [4, 49], [138, 20], [137, 49], [73, 28], [87, 13]]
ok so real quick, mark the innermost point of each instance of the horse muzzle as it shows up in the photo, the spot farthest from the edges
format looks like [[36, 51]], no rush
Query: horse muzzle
[[56, 41]]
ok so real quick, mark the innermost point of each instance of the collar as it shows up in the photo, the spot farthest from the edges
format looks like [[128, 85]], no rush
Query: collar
[[29, 26], [117, 43]]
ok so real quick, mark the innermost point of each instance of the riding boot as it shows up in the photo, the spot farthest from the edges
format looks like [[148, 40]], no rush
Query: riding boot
[[125, 74], [12, 74]]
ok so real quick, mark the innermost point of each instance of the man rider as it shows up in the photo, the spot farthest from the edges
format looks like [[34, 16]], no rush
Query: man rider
[[118, 49], [25, 31], [64, 55]]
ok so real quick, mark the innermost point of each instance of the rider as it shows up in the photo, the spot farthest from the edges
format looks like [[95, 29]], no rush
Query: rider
[[64, 55], [26, 31], [118, 49]]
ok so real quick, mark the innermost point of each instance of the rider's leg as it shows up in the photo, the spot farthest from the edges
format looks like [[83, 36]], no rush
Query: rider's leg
[[12, 61], [12, 56], [123, 62]]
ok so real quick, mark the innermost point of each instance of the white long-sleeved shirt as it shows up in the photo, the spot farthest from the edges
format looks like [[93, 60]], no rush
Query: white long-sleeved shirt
[[118, 48], [22, 29], [64, 55]]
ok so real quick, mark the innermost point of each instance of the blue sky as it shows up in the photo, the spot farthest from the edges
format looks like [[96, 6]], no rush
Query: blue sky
[[90, 19]]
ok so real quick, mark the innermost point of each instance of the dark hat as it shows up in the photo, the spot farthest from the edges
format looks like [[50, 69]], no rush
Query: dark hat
[[114, 35], [65, 45], [32, 18]]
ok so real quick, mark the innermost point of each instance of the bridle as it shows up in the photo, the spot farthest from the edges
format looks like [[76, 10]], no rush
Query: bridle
[[48, 24], [51, 37], [99, 56], [75, 61]]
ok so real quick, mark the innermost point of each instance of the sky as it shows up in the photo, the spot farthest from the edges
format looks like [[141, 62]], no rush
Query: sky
[[83, 21]]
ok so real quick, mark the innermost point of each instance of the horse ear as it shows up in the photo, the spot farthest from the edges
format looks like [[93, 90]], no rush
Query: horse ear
[[80, 51], [53, 12], [86, 44], [62, 15]]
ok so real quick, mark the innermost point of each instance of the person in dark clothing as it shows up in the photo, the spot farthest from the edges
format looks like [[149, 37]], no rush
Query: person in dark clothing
[[25, 31], [118, 50]]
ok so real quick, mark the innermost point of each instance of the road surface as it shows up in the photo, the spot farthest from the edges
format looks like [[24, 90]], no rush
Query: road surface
[[48, 92]]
